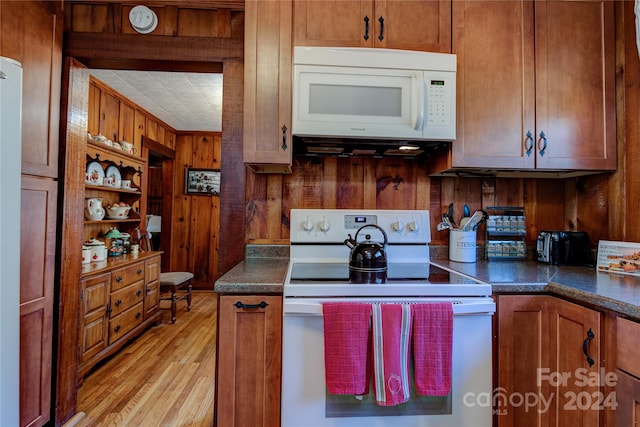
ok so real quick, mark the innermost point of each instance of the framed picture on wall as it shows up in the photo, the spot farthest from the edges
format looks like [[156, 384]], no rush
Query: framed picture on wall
[[202, 181]]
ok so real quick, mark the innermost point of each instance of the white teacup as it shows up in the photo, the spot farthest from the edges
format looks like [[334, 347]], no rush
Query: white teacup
[[126, 184], [128, 147]]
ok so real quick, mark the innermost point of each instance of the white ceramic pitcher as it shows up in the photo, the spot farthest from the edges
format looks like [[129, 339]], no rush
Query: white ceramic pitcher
[[93, 210]]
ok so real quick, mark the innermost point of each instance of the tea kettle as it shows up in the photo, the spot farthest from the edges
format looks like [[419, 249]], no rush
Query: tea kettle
[[368, 260]]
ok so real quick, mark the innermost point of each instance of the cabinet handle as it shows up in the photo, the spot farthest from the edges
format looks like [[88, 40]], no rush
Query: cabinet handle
[[119, 279], [543, 140], [366, 28], [117, 328], [139, 271], [528, 143], [138, 292], [284, 138], [585, 347], [381, 35], [148, 291], [240, 304], [138, 314], [118, 303]]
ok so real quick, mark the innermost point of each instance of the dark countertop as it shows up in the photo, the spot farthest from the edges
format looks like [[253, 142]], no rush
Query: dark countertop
[[264, 271], [617, 292]]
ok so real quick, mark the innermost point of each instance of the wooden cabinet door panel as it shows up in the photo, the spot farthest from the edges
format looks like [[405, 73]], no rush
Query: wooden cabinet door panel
[[333, 23], [569, 327], [93, 324], [267, 83], [628, 398], [413, 25], [249, 361], [151, 298], [495, 84], [575, 77], [37, 265], [32, 35], [523, 343]]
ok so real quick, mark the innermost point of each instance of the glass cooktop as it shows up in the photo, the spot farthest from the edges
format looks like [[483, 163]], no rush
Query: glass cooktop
[[318, 273]]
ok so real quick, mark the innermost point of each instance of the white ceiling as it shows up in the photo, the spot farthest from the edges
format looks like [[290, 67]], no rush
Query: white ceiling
[[184, 101]]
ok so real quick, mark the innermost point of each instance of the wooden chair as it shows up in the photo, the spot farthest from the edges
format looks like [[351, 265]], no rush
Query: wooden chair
[[178, 284]]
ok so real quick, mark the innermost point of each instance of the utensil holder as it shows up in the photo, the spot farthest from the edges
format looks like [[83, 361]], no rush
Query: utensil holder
[[462, 246]]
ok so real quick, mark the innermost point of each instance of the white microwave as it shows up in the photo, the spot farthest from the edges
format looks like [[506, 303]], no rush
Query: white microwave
[[374, 93]]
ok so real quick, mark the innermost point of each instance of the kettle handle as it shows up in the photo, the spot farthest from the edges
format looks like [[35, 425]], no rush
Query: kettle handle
[[372, 225]]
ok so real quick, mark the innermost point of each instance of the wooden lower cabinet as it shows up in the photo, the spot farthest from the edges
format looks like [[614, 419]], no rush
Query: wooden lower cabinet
[[548, 362], [627, 392], [118, 303], [249, 360]]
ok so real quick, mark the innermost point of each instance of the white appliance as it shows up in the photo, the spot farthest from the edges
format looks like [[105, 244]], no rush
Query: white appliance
[[374, 93], [10, 167], [318, 273]]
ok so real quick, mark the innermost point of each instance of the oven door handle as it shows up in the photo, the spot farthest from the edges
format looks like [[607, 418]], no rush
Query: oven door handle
[[313, 307]]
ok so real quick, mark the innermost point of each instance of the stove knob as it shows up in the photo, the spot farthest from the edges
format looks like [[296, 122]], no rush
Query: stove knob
[[413, 226], [324, 225], [396, 226], [307, 225]]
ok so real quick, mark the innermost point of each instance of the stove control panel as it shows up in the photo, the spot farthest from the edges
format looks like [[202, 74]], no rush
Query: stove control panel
[[325, 226]]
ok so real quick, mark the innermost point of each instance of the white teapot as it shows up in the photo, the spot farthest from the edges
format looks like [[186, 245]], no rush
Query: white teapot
[[93, 210]]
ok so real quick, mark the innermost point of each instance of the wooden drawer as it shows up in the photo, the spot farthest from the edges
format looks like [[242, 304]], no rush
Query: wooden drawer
[[127, 297], [628, 336], [152, 267], [127, 275], [125, 322]]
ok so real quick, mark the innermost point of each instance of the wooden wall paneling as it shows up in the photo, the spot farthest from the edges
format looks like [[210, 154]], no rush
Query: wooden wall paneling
[[395, 184], [301, 188], [93, 122], [547, 207], [109, 115], [39, 198], [160, 135], [274, 208], [87, 18], [370, 184], [127, 124], [629, 229], [203, 23], [73, 143], [32, 35], [593, 206], [435, 210], [140, 128], [152, 129], [256, 206], [423, 187], [329, 184], [180, 229], [350, 185]]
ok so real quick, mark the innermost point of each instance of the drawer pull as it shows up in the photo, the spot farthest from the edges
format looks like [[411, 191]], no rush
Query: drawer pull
[[139, 271], [118, 303], [240, 304], [138, 292], [118, 279], [585, 347], [117, 328], [138, 314]]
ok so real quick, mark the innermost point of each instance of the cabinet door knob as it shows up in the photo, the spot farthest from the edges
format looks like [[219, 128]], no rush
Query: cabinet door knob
[[366, 28], [118, 303], [119, 279], [117, 328], [585, 347], [138, 292], [139, 271]]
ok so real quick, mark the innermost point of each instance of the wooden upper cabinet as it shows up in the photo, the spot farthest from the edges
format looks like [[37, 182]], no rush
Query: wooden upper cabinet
[[541, 98], [267, 86], [38, 47], [412, 25]]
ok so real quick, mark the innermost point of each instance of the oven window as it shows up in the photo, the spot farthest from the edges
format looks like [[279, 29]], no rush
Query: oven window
[[342, 406]]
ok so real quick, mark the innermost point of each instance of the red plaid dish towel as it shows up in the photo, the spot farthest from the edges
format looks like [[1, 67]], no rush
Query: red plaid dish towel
[[347, 328], [391, 340], [432, 346]]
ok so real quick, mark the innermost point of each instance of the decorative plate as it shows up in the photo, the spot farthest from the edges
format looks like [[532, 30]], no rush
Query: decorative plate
[[95, 174], [112, 177]]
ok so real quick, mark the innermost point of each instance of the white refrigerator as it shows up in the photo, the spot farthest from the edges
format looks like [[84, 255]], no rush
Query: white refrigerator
[[10, 166]]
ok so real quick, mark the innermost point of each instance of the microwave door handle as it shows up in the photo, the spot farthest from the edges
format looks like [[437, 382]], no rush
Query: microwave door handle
[[421, 95]]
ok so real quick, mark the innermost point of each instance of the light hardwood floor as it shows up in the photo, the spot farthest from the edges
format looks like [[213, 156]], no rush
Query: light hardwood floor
[[163, 378]]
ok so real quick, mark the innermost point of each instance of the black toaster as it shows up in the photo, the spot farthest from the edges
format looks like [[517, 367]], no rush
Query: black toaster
[[565, 248]]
